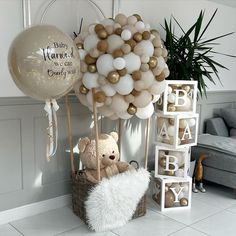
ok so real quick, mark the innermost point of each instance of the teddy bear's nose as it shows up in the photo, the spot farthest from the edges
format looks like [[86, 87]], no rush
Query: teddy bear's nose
[[112, 157]]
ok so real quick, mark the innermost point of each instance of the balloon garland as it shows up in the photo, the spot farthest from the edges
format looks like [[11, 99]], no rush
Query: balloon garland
[[44, 64], [124, 61]]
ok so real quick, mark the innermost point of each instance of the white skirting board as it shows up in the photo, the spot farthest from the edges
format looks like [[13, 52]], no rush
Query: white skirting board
[[34, 209]]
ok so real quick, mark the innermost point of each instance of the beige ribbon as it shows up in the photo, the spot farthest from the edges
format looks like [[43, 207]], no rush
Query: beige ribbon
[[51, 107]]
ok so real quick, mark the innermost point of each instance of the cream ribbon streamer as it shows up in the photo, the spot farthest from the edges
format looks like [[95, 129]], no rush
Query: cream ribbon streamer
[[51, 107]]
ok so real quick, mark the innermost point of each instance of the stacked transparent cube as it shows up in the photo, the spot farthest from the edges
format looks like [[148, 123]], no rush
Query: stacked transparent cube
[[177, 130]]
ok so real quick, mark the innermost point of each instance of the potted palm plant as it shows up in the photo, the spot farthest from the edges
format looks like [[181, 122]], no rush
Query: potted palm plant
[[191, 56]]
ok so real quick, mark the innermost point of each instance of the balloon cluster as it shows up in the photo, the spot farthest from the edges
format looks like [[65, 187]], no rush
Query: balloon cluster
[[124, 61]]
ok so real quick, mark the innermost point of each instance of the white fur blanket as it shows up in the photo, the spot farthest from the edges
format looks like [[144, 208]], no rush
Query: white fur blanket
[[113, 201]]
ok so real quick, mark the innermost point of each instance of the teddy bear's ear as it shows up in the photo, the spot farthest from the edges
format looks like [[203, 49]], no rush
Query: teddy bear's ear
[[83, 143], [114, 135]]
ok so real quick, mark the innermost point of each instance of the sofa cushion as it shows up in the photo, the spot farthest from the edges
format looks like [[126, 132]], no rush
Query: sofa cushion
[[220, 151], [229, 115], [216, 126], [232, 132]]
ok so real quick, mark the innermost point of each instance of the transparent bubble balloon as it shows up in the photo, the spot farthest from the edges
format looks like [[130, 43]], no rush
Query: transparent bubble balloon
[[44, 62]]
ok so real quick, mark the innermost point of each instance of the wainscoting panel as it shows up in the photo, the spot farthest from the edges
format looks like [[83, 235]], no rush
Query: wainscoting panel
[[10, 146], [25, 174]]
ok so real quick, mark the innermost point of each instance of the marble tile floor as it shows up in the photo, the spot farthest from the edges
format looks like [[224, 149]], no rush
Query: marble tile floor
[[212, 213]]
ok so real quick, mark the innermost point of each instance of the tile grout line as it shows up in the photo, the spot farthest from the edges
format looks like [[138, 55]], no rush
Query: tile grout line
[[200, 231], [68, 230], [177, 231], [185, 225], [207, 217], [114, 233], [16, 229]]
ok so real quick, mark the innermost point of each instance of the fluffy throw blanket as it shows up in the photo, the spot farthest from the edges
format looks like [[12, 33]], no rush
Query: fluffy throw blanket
[[113, 201]]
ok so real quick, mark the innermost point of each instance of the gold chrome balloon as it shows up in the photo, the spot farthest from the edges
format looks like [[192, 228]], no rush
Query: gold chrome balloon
[[152, 62], [83, 89], [183, 201], [113, 77], [132, 109]]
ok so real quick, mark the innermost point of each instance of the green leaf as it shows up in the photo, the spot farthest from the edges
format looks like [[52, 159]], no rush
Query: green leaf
[[190, 57]]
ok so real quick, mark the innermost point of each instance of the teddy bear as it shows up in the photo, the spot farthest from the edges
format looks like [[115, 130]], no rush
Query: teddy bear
[[108, 154]]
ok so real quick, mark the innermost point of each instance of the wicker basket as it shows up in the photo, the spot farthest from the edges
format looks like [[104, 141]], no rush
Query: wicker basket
[[80, 190]]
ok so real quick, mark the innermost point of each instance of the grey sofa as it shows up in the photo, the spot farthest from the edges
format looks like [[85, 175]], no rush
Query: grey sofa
[[219, 144]]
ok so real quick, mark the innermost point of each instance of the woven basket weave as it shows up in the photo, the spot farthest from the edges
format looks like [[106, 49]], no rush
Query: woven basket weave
[[80, 191]]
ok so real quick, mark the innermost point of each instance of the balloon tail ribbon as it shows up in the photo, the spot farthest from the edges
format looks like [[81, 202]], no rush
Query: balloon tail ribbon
[[52, 131]]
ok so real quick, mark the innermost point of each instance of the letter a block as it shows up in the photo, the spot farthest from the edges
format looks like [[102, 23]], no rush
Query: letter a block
[[177, 131], [172, 194], [179, 97], [172, 163]]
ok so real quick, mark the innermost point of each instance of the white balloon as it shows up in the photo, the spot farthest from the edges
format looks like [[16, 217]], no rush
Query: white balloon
[[186, 187], [132, 62], [126, 34], [171, 130], [169, 89], [108, 90], [145, 112], [105, 64], [82, 54], [139, 25], [125, 85], [124, 115], [144, 47], [90, 42], [119, 63], [114, 42], [171, 98], [90, 80], [191, 122], [107, 21]]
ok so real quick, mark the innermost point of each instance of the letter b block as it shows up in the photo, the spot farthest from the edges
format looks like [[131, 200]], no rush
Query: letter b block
[[172, 163], [179, 97]]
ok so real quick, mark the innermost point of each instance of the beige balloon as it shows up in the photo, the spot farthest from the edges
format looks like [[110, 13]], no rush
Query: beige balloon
[[44, 62]]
